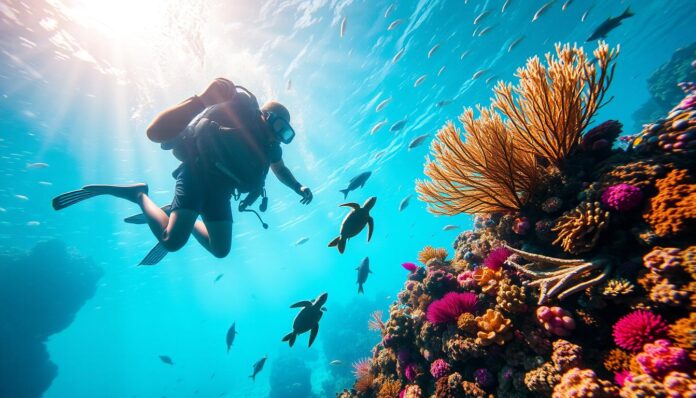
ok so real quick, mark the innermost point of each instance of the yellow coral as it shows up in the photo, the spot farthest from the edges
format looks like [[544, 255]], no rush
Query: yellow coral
[[542, 379], [617, 287], [668, 294], [493, 328], [678, 384], [487, 279], [389, 389], [688, 257], [579, 229], [581, 383], [673, 210], [566, 355], [643, 386], [683, 333], [511, 297], [428, 253], [617, 360], [467, 323], [663, 259]]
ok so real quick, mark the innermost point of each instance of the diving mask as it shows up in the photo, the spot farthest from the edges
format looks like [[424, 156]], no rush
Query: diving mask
[[280, 127]]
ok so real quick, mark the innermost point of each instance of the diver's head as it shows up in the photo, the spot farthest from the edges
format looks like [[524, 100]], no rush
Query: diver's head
[[277, 118]]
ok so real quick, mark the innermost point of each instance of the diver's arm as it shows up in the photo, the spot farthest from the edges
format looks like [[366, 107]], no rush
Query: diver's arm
[[285, 176], [179, 116]]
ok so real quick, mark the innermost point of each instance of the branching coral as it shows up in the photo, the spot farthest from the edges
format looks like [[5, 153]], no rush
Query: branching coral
[[580, 383], [428, 253], [511, 297], [579, 229], [673, 210], [551, 106], [617, 287], [565, 276], [493, 328]]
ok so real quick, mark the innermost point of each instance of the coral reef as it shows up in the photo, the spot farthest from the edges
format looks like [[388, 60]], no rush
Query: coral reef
[[291, 378], [40, 292], [578, 277]]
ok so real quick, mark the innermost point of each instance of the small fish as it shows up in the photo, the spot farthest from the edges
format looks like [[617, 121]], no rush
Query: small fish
[[481, 16], [258, 367], [515, 42], [336, 362], [610, 24], [301, 241], [21, 197], [45, 183], [542, 10], [433, 50], [33, 224], [377, 126], [410, 267], [478, 74], [440, 104], [398, 125], [442, 69], [217, 278], [3, 210], [231, 334], [566, 5], [389, 10], [419, 81], [416, 142], [404, 203], [394, 24], [450, 227], [363, 272], [505, 6], [37, 165], [166, 359], [464, 54], [289, 85], [485, 30], [382, 104], [583, 18], [380, 154], [491, 78], [398, 56], [342, 32], [356, 182]]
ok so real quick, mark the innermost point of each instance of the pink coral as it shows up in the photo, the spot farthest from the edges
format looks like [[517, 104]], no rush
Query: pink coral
[[637, 328], [621, 377], [410, 267], [439, 368], [622, 197], [660, 358], [362, 367], [466, 279], [410, 372], [556, 320], [448, 308], [496, 258]]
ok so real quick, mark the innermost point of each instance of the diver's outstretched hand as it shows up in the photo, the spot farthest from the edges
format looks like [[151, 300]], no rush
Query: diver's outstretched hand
[[219, 90], [306, 194]]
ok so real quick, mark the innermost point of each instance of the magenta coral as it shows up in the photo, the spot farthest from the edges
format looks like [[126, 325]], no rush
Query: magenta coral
[[484, 377], [439, 368], [660, 358], [496, 258], [410, 267], [410, 372], [622, 197], [621, 377], [448, 308], [556, 320], [466, 279], [637, 328]]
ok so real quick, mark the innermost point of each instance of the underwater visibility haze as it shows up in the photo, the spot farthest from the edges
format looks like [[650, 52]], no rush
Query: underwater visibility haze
[[542, 246]]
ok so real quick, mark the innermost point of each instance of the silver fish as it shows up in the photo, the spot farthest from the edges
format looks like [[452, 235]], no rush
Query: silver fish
[[484, 31], [450, 227], [542, 10], [505, 6], [398, 125], [583, 18], [515, 43], [377, 126], [481, 16], [416, 142], [382, 104], [433, 50], [301, 241], [398, 55], [394, 24], [442, 69], [389, 10], [440, 104], [342, 32], [37, 165], [419, 81], [404, 203], [478, 74], [566, 5], [464, 54], [337, 362]]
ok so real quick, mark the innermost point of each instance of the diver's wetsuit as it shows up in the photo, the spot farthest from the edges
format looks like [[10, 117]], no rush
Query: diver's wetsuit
[[203, 188]]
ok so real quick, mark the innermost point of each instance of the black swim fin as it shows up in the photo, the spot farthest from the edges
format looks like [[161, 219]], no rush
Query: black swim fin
[[70, 198], [141, 219], [155, 255], [128, 192]]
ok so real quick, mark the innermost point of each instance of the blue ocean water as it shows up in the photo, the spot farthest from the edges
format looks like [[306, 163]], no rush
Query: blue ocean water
[[80, 81]]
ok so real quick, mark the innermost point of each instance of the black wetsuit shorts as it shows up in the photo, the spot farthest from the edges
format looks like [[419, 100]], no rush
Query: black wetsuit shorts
[[208, 194]]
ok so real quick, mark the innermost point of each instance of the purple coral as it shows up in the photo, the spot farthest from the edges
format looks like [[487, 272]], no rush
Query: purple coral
[[496, 258], [638, 328], [622, 197], [439, 368], [448, 308], [660, 358], [484, 377], [410, 372], [601, 137]]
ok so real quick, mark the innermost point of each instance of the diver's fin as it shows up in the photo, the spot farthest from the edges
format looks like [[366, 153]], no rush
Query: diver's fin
[[360, 289], [70, 198], [305, 303], [290, 338], [141, 219], [128, 192], [352, 205], [155, 255], [344, 192], [370, 228], [313, 334]]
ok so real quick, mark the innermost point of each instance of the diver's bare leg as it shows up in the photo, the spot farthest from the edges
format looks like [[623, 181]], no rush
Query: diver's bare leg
[[214, 236], [173, 230]]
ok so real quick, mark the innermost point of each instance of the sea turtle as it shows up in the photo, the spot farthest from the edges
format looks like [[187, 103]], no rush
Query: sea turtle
[[307, 319], [354, 222]]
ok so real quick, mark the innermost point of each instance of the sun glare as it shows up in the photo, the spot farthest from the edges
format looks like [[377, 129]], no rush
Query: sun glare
[[122, 19]]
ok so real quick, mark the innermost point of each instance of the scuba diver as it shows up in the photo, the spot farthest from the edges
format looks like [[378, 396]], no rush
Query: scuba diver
[[226, 145]]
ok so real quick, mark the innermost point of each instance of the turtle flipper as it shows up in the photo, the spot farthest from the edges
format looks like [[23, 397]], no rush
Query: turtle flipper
[[303, 303], [352, 205], [341, 243], [370, 228], [290, 338], [313, 334]]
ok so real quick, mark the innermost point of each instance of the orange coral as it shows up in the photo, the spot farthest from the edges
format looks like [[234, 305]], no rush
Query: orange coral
[[668, 294], [617, 360], [641, 174], [673, 210], [566, 355], [683, 332], [467, 323], [364, 383], [579, 229], [511, 297], [493, 328], [678, 384], [428, 253], [487, 279], [580, 383], [389, 389], [642, 386]]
